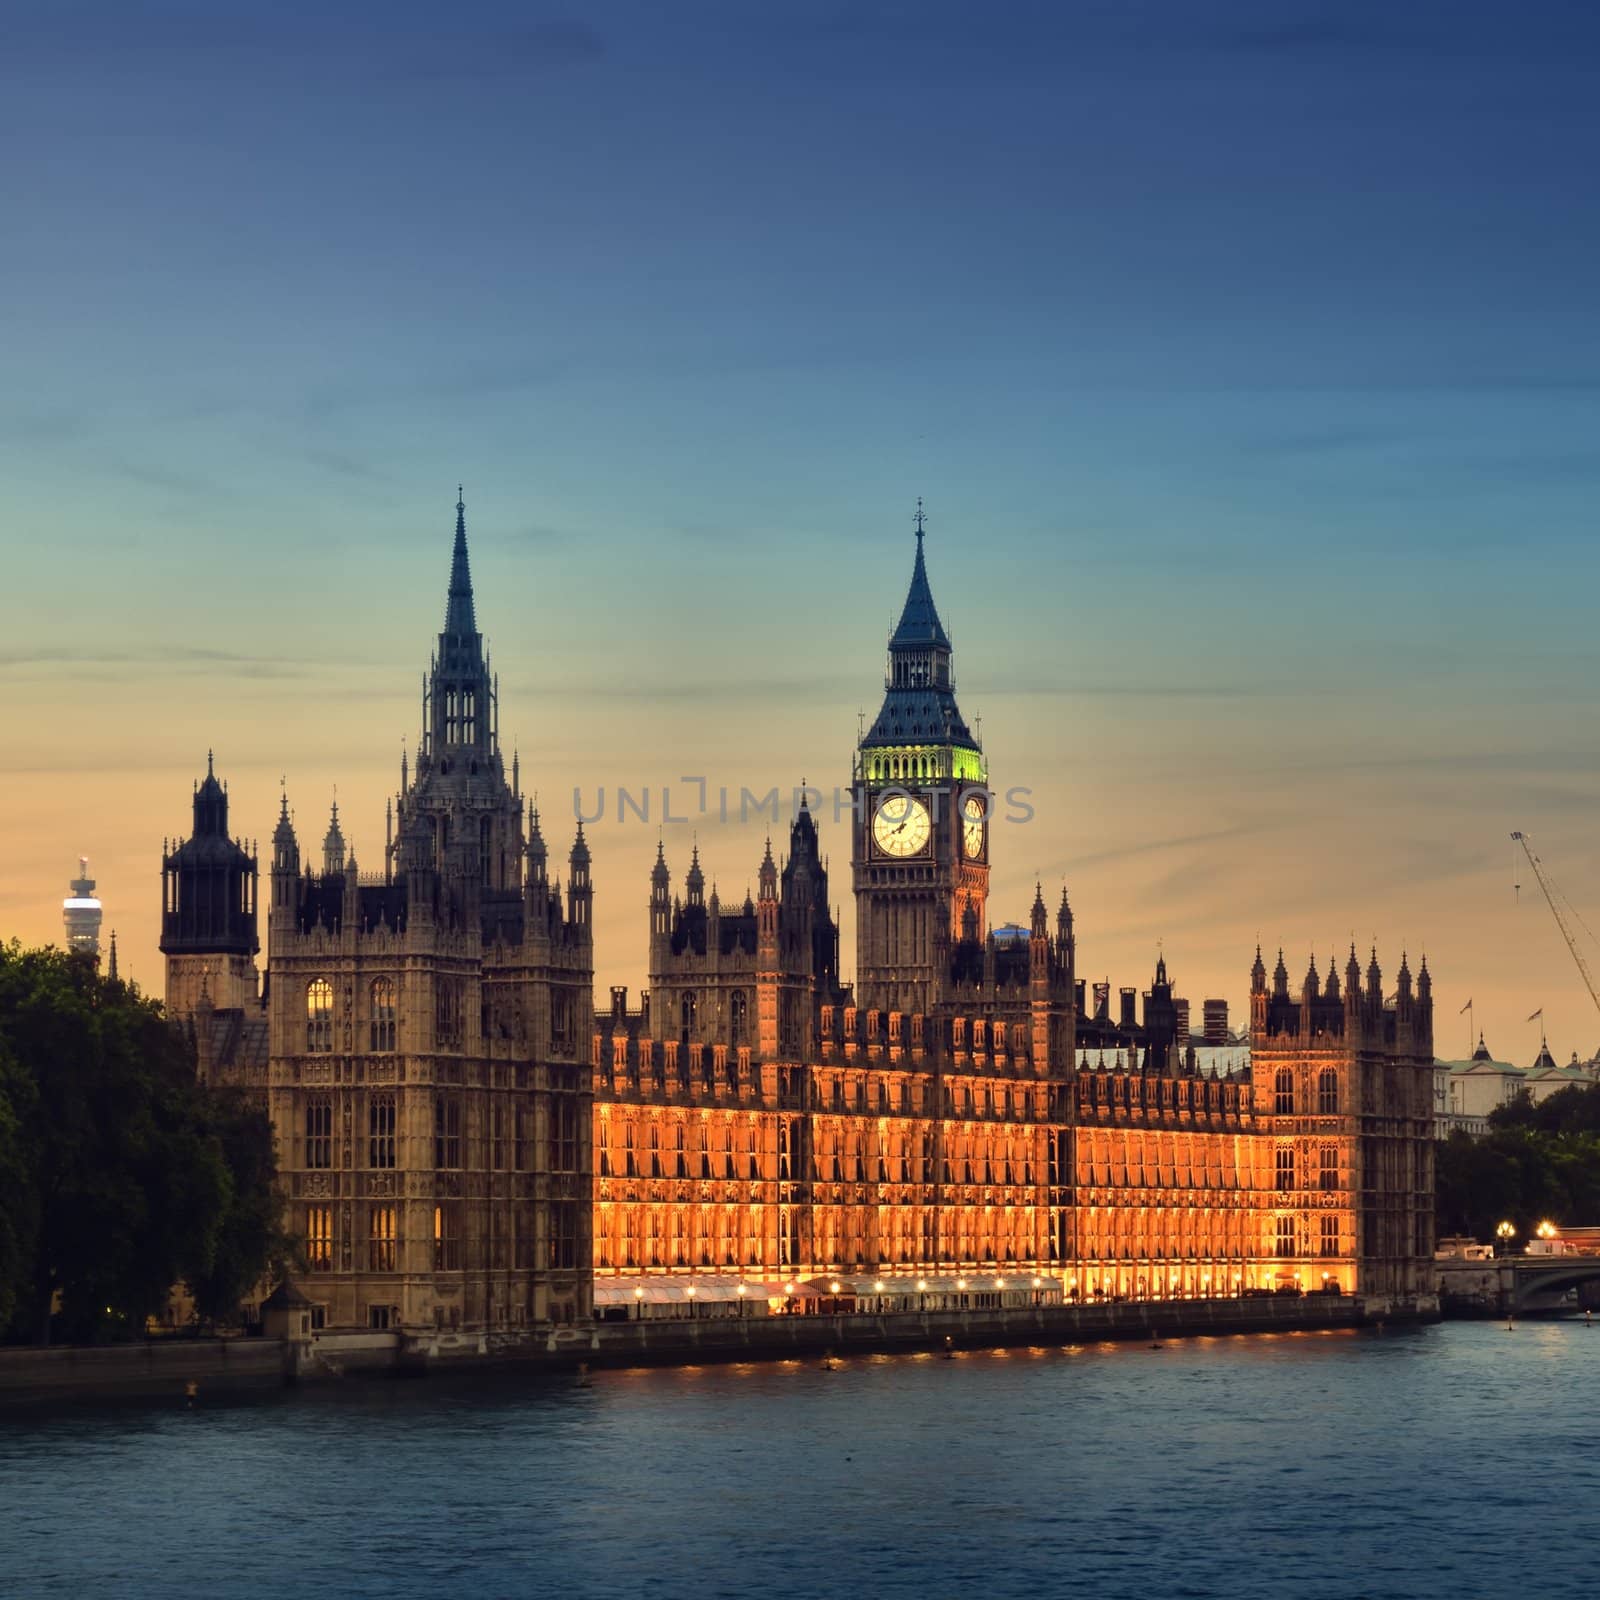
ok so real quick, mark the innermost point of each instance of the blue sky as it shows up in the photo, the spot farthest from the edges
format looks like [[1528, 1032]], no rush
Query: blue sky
[[1245, 355]]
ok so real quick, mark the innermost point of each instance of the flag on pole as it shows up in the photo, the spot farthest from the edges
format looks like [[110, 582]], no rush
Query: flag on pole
[[1537, 1014], [1465, 1009]]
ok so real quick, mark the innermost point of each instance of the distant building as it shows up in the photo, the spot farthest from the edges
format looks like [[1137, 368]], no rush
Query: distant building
[[1181, 1009], [81, 913], [1215, 1013]]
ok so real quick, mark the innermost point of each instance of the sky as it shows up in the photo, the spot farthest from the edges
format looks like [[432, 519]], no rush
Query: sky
[[1244, 355]]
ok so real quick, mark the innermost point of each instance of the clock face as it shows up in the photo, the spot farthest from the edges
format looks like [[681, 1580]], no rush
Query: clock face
[[973, 813], [901, 826]]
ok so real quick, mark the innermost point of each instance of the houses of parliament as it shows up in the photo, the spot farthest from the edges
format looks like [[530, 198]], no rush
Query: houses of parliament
[[466, 1142]]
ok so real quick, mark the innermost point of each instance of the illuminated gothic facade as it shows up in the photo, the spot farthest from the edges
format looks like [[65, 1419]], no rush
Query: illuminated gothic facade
[[467, 1145]]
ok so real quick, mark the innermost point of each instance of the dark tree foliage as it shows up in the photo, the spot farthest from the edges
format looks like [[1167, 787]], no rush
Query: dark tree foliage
[[120, 1176], [1536, 1163]]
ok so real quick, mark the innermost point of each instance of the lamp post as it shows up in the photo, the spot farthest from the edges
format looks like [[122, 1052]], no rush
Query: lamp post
[[1505, 1232], [690, 1292]]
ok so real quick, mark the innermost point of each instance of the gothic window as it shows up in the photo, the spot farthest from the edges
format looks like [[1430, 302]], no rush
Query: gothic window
[[1283, 1092], [319, 1015], [497, 1136], [564, 1233], [519, 1136], [655, 1151], [319, 1238], [1329, 1241], [1285, 1167], [686, 1017], [561, 1020], [447, 1237], [680, 1167], [446, 1131], [1328, 1170], [380, 1239], [485, 852], [564, 1134], [380, 1131], [319, 1132], [1285, 1239], [1328, 1092], [630, 1165], [783, 1150], [736, 1015], [447, 1013], [383, 1014]]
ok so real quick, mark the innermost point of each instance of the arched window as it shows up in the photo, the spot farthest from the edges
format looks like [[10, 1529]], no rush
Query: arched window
[[737, 1017], [1283, 1092], [319, 1015], [1328, 1092], [1328, 1167], [1285, 1167], [380, 1131], [687, 1009], [383, 1014], [319, 1132]]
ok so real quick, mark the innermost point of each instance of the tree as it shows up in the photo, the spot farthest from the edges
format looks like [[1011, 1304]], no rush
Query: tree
[[248, 1238], [121, 1172]]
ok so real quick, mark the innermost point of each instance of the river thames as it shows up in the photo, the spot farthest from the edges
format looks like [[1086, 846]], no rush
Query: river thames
[[1457, 1459]]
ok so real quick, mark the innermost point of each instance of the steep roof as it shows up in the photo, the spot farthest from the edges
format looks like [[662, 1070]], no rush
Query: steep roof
[[919, 625]]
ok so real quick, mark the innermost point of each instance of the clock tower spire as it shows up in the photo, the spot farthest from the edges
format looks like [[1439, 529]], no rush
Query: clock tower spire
[[920, 856]]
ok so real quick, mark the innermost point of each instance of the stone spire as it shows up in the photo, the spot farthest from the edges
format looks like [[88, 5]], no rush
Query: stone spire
[[459, 692], [1258, 973], [460, 619]]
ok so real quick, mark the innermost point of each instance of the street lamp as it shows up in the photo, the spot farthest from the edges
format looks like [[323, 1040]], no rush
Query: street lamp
[[1546, 1229], [1505, 1232], [691, 1299]]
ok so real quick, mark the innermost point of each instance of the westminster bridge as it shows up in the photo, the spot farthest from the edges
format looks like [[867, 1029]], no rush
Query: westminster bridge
[[1519, 1285]]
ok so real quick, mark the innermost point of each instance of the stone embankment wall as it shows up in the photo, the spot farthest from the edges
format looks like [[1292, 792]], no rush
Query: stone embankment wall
[[164, 1369]]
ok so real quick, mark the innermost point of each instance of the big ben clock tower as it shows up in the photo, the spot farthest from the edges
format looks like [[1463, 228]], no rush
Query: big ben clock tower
[[920, 856]]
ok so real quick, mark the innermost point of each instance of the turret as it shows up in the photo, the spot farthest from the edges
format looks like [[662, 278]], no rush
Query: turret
[[1258, 973], [580, 894], [285, 862], [350, 912], [333, 846], [695, 882], [1280, 979], [208, 920], [1309, 989], [660, 904], [534, 852], [1374, 984]]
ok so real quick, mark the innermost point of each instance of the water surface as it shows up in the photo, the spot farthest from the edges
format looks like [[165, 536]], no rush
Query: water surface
[[1450, 1460]]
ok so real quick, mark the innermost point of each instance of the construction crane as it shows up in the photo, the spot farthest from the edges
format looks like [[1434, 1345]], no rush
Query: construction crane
[[1550, 893]]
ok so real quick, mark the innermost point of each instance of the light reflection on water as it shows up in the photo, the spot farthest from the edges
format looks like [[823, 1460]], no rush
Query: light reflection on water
[[1448, 1460]]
